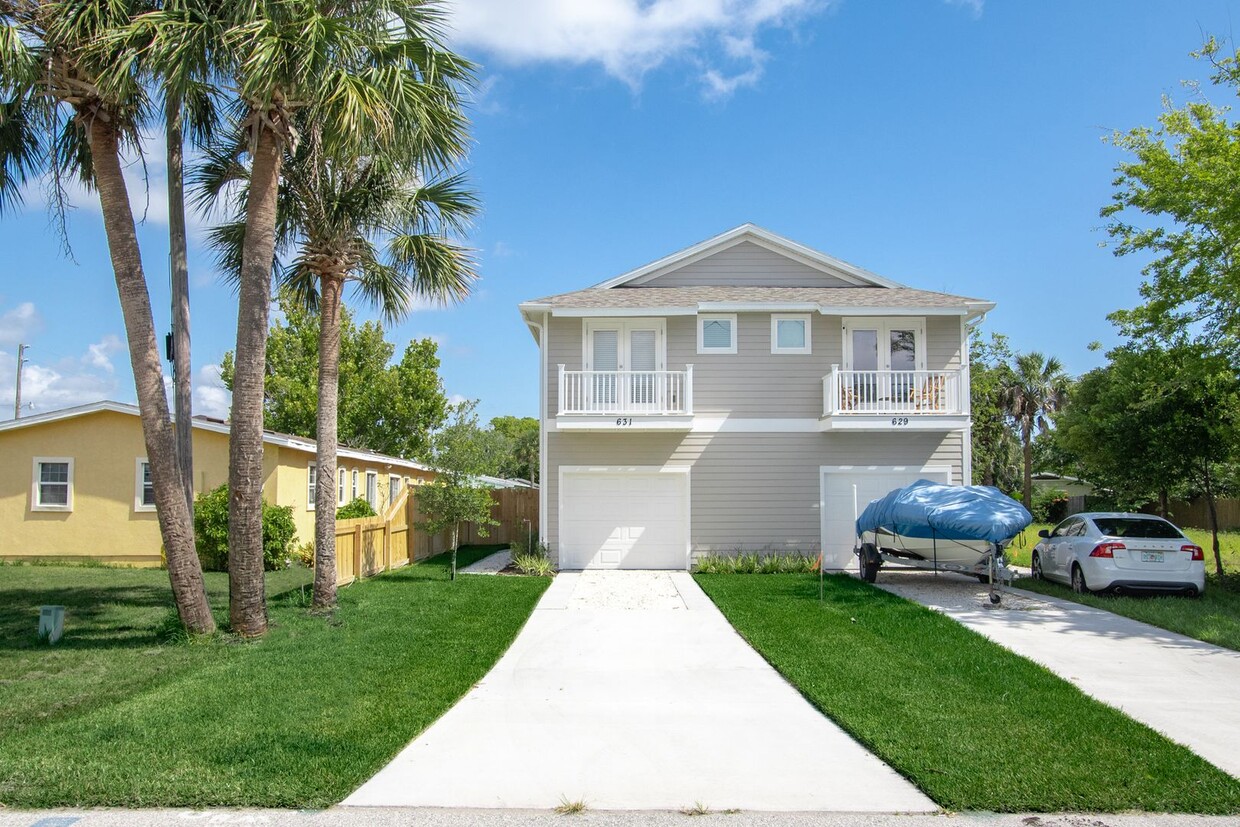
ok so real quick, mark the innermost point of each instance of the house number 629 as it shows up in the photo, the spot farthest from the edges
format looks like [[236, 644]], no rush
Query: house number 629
[[624, 420], [899, 420]]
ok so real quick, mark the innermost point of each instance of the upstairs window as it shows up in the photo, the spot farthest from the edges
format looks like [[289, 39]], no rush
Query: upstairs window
[[790, 333], [52, 487], [717, 334]]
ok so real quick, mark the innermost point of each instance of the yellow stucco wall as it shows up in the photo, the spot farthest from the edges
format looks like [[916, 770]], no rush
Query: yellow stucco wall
[[104, 524]]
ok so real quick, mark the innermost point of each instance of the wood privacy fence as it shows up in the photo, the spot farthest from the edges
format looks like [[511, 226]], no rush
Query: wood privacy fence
[[1196, 513], [369, 545]]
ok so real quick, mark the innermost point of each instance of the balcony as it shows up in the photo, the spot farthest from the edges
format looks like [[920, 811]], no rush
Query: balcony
[[609, 400], [894, 400]]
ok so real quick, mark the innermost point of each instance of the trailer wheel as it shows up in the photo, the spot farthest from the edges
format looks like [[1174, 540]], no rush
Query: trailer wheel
[[994, 598], [870, 562]]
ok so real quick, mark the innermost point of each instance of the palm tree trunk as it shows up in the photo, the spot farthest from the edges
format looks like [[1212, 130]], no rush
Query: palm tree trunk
[[326, 434], [176, 526], [179, 266], [247, 605], [1028, 492]]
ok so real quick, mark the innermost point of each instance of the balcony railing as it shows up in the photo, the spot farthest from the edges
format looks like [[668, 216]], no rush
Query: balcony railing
[[892, 392], [626, 392]]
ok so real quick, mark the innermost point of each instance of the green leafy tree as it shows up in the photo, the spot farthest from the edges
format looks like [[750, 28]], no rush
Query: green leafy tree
[[387, 407], [518, 438], [461, 453], [995, 449], [73, 99], [1176, 201], [1035, 389]]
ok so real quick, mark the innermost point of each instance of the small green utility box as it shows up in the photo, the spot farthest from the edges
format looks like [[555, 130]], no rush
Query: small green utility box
[[51, 623]]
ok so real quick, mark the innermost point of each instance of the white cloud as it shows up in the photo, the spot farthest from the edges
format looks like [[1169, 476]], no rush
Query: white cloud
[[211, 398], [974, 6], [51, 386], [19, 324], [631, 37], [99, 355]]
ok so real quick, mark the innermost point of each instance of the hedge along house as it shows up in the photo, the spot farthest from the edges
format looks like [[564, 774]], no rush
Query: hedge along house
[[77, 487]]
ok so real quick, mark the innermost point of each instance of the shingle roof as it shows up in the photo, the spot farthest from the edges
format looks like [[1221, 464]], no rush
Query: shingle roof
[[655, 297]]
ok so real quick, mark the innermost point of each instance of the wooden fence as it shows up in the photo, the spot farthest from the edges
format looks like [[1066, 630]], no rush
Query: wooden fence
[[1196, 513], [369, 545]]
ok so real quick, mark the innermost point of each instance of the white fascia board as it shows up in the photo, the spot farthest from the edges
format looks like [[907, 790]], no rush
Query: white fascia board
[[614, 312], [757, 307], [845, 310], [68, 413]]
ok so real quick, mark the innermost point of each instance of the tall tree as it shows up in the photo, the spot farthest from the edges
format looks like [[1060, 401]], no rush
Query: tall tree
[[1176, 201], [375, 221], [385, 406], [1036, 388], [995, 449], [72, 103], [365, 73], [519, 458]]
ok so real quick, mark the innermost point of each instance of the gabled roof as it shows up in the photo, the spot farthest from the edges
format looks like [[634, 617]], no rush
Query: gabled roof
[[763, 238], [207, 424]]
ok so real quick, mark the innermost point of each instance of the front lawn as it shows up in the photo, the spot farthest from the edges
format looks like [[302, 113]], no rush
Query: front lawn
[[973, 725], [114, 715]]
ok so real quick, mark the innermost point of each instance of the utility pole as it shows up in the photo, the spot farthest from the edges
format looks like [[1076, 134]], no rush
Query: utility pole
[[17, 402], [179, 278]]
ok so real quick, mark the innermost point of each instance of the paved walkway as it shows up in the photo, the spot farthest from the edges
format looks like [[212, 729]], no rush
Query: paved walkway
[[629, 691], [1185, 689]]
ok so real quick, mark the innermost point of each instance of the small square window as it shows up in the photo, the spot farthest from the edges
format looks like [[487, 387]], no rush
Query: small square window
[[790, 333], [717, 334], [52, 486], [143, 488]]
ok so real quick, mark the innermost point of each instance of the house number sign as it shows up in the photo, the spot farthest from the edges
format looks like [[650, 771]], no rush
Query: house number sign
[[623, 421], [899, 420]]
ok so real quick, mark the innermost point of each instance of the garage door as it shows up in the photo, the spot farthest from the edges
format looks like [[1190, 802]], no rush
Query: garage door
[[838, 513], [624, 519]]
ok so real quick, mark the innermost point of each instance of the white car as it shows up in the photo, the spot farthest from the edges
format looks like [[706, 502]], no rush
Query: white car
[[1122, 552]]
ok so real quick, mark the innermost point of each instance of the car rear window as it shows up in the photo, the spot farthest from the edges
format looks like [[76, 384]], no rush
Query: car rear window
[[1134, 527]]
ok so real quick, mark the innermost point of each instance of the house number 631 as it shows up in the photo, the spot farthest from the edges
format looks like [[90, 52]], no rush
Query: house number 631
[[899, 420], [624, 420]]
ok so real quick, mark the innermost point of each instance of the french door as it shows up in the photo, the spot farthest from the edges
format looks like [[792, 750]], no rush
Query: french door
[[881, 357], [625, 361]]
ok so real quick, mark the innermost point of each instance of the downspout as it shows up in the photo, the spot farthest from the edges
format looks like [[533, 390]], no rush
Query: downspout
[[542, 422]]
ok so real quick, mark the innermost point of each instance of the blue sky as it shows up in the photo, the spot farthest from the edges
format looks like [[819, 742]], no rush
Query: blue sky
[[952, 146]]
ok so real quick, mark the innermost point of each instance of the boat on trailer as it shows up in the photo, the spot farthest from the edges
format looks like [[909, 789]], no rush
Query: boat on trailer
[[936, 527]]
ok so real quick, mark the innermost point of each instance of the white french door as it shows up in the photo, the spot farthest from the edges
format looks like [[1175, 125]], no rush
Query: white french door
[[623, 360], [881, 356]]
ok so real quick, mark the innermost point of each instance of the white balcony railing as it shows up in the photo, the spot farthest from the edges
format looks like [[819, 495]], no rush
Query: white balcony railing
[[639, 392], [885, 392]]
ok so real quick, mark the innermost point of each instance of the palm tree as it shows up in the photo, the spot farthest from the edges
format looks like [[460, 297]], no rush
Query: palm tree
[[365, 72], [1036, 388], [67, 108], [369, 220]]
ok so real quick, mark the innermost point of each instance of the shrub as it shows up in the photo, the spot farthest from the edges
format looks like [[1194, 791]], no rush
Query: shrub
[[303, 554], [754, 563], [1050, 505], [211, 531], [358, 508], [535, 564]]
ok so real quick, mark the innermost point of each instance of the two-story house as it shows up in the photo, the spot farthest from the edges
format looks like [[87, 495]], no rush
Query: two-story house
[[746, 393]]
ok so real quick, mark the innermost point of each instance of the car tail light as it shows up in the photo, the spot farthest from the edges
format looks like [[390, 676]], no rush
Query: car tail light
[[1107, 549], [1196, 551]]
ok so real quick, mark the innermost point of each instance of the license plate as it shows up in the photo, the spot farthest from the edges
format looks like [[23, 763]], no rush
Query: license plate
[[1151, 557]]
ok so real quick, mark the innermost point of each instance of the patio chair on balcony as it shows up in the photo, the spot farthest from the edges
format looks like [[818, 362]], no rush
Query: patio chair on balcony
[[932, 394]]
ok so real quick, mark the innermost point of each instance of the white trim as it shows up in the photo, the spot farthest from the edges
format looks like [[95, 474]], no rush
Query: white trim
[[623, 327], [706, 424], [353, 490], [763, 238], [341, 479], [312, 484], [139, 506], [625, 423], [35, 505], [823, 470], [714, 425], [807, 324], [620, 312], [756, 307], [720, 351], [626, 469]]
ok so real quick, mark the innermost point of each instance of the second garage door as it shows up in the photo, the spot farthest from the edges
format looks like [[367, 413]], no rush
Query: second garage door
[[838, 516], [624, 519]]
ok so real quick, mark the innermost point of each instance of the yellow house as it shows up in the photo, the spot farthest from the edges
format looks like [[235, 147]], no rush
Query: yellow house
[[76, 484]]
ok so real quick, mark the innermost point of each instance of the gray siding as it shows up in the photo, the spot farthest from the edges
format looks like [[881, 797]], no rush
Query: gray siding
[[749, 491], [746, 265], [753, 382]]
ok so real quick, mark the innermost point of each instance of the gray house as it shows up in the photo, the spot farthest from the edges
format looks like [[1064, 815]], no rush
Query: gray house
[[744, 393]]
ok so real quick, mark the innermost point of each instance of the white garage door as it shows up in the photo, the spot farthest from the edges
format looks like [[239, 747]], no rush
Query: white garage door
[[838, 513], [624, 519]]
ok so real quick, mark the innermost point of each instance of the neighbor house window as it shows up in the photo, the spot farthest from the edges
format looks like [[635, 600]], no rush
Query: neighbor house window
[[354, 497], [790, 333], [340, 486], [394, 481], [372, 489], [52, 488], [143, 488], [312, 485], [717, 334]]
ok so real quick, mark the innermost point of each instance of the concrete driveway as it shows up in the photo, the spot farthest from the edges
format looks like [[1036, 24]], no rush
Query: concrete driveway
[[1185, 689], [630, 691]]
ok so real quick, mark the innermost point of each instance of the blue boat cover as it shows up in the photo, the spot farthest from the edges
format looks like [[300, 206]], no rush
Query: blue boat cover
[[950, 512]]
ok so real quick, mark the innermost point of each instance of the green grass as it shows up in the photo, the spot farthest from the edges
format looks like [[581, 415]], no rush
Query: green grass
[[115, 716], [972, 724]]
